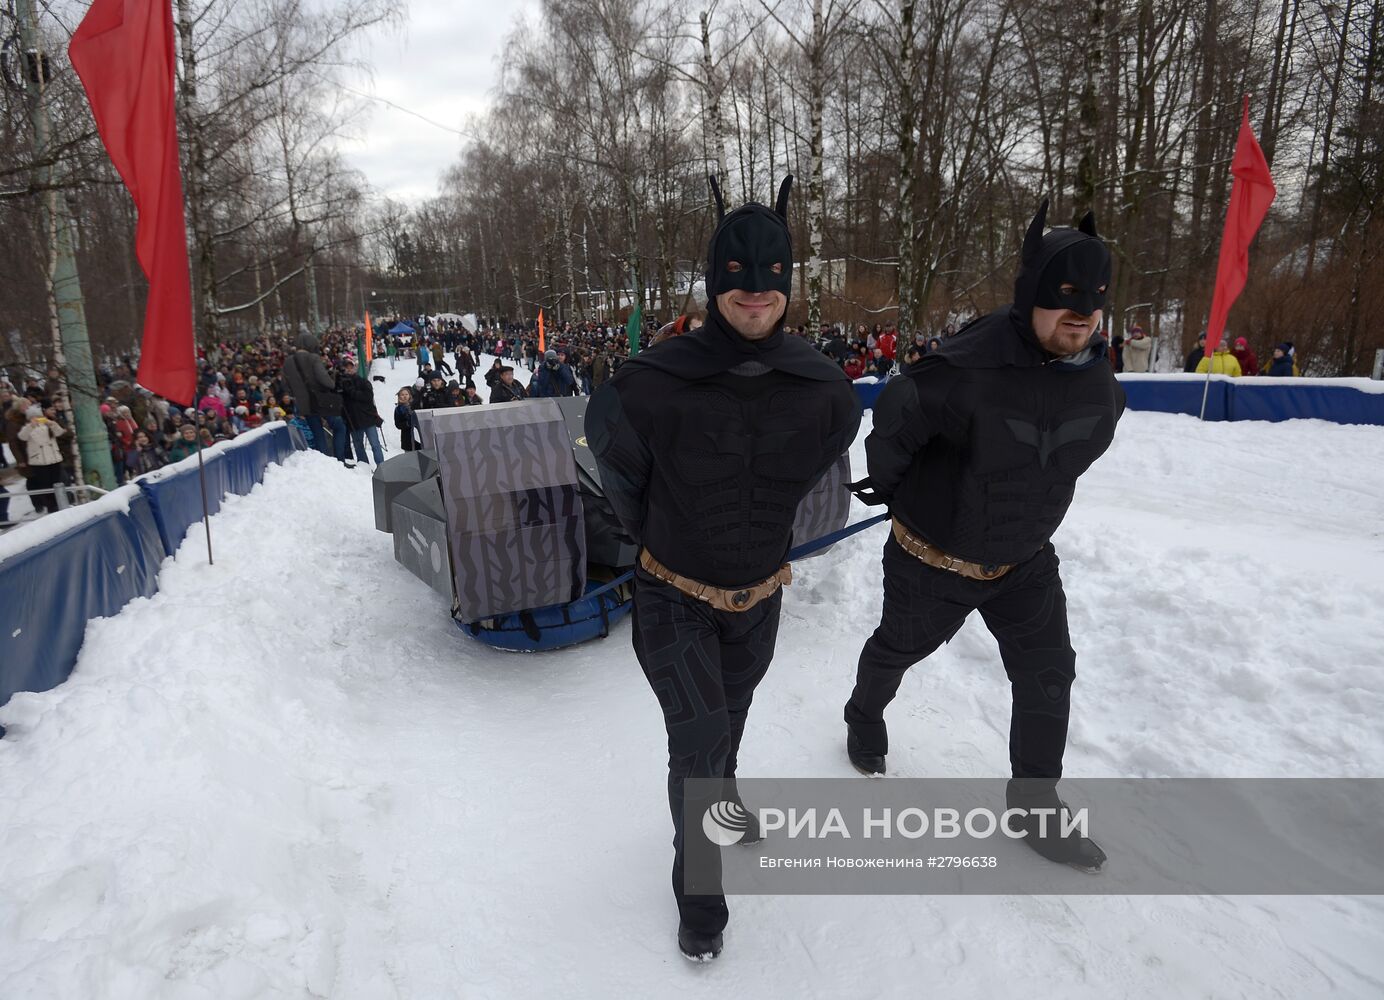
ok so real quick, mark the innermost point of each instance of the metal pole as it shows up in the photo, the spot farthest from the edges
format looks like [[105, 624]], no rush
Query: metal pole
[[73, 346], [202, 474]]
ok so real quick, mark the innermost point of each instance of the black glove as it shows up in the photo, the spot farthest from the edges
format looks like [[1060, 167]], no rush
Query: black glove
[[872, 498]]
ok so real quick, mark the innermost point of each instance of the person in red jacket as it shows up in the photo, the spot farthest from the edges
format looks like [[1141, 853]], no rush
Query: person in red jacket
[[888, 343], [1249, 364], [855, 366]]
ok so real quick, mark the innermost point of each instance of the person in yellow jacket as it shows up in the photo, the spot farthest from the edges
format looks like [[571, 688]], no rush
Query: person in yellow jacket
[[1220, 363]]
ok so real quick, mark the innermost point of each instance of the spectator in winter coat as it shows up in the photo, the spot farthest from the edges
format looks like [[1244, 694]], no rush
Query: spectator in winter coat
[[493, 376], [314, 392], [435, 395], [1196, 354], [855, 367], [1282, 364], [125, 427], [424, 359], [554, 378], [186, 443], [1249, 364], [362, 419], [439, 357], [473, 398], [143, 457], [836, 348], [1137, 350], [406, 421], [40, 436], [1220, 363], [600, 369], [211, 403], [505, 389]]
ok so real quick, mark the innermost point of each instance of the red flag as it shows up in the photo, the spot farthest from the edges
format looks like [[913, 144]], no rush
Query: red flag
[[369, 342], [1251, 194], [540, 332], [123, 52]]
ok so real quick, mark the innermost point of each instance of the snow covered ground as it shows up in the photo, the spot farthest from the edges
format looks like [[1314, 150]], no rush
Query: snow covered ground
[[289, 775]]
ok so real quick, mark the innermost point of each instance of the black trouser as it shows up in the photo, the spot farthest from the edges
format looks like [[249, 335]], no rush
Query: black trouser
[[1026, 612], [703, 665], [44, 477]]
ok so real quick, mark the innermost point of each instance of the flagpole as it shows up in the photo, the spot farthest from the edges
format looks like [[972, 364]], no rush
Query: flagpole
[[202, 476]]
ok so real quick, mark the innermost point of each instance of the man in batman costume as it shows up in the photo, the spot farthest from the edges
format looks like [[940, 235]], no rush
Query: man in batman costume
[[706, 445], [977, 449]]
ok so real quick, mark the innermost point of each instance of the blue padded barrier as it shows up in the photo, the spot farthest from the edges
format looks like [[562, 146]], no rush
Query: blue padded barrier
[[52, 590], [1178, 394], [1341, 401], [868, 392], [111, 554], [176, 497], [1338, 400]]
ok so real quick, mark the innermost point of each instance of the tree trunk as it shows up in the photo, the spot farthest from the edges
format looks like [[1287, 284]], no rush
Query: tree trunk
[[816, 191], [198, 195], [908, 177], [715, 129]]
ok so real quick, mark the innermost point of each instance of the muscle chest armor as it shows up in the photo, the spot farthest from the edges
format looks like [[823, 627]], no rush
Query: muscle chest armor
[[734, 456], [996, 487]]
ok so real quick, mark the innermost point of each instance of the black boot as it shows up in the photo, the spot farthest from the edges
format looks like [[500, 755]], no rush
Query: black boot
[[696, 946], [866, 744], [1079, 852], [867, 762]]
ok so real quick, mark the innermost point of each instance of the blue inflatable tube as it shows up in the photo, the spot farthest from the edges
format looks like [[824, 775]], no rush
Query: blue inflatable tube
[[588, 617]]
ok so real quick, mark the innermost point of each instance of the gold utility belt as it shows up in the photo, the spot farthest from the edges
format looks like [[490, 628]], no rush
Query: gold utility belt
[[720, 598], [927, 552]]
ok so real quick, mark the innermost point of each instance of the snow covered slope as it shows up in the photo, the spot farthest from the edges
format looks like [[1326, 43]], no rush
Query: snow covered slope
[[289, 775]]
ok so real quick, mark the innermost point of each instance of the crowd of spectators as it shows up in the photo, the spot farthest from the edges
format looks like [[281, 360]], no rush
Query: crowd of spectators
[[315, 382]]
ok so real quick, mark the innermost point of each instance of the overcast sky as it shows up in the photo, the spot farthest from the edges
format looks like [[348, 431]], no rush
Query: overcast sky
[[441, 64]]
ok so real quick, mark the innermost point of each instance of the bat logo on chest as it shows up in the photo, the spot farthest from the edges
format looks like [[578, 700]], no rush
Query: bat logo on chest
[[1047, 440]]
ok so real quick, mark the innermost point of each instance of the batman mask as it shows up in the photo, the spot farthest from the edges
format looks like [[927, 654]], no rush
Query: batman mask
[[1073, 257], [751, 249]]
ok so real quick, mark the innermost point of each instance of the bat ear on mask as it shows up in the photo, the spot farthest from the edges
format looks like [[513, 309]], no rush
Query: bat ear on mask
[[781, 203], [1033, 239], [1087, 225], [716, 195]]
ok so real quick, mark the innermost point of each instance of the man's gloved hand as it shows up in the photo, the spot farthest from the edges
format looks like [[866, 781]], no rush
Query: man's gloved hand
[[871, 498]]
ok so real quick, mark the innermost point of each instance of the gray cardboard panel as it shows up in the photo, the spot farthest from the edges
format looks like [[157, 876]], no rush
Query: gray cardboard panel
[[826, 508], [515, 518], [420, 546], [528, 567]]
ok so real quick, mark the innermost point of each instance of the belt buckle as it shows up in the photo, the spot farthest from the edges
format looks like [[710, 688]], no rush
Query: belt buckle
[[740, 598]]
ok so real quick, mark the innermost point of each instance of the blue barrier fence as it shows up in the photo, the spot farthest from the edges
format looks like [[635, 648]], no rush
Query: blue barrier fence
[[1338, 400], [105, 554]]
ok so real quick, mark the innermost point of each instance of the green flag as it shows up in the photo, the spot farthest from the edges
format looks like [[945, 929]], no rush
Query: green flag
[[632, 329], [362, 366]]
